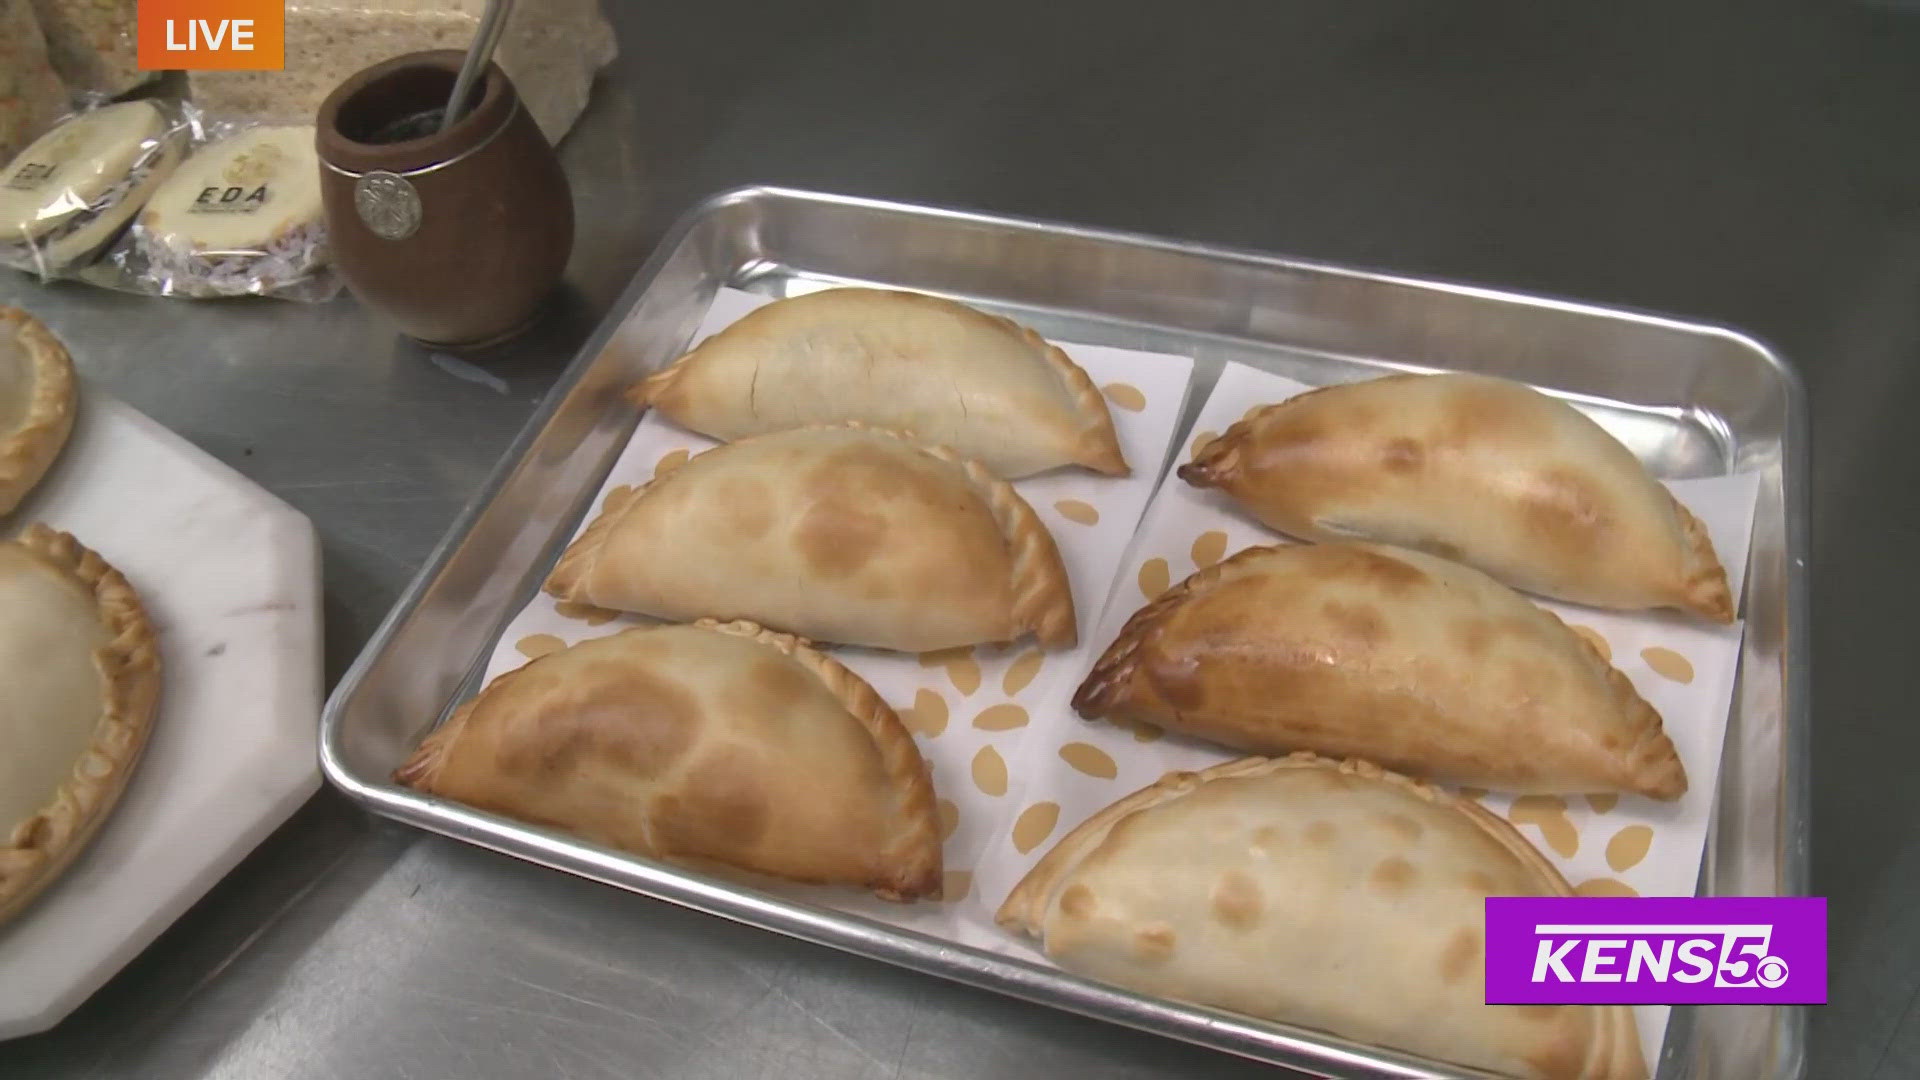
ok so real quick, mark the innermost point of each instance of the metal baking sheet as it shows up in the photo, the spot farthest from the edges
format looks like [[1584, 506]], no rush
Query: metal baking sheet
[[1690, 399]]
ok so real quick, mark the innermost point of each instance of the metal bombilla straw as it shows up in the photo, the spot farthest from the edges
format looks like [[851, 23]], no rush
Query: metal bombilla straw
[[479, 55]]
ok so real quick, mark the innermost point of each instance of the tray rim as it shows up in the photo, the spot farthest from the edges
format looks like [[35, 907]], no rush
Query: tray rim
[[1300, 1048]]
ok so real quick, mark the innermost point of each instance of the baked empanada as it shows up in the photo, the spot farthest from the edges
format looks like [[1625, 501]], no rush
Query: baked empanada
[[844, 534], [79, 686], [1480, 470], [36, 403], [1333, 896], [1362, 650], [710, 744], [987, 387]]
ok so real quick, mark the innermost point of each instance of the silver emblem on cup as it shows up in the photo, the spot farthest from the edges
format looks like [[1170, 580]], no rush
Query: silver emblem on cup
[[388, 204]]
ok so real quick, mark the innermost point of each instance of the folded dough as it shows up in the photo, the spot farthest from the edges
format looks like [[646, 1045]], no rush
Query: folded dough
[[711, 744], [987, 387], [1368, 651], [844, 534], [1333, 896], [1482, 470]]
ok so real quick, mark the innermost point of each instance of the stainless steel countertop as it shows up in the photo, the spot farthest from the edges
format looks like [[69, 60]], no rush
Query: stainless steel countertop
[[1758, 166]]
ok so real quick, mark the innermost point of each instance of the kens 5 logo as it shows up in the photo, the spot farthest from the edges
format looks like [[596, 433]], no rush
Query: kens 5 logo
[[1657, 951], [212, 35]]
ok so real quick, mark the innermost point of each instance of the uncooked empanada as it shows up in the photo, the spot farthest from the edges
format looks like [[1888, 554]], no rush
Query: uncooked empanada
[[987, 387], [705, 744], [844, 534], [1362, 650], [1328, 895], [1481, 470]]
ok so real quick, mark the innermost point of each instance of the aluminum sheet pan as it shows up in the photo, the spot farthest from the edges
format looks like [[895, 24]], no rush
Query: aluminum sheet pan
[[1689, 399]]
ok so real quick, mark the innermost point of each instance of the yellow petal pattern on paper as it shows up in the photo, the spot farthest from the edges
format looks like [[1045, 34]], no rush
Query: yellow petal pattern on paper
[[1628, 847], [1034, 825], [1594, 639], [1549, 814], [587, 613], [1154, 578], [949, 818], [961, 667], [668, 462], [614, 495], [1021, 672], [990, 772], [1001, 718], [1605, 886], [1603, 803], [1089, 759], [1078, 512], [1208, 548], [955, 885], [1668, 664], [1125, 395], [1201, 440], [927, 716], [535, 646]]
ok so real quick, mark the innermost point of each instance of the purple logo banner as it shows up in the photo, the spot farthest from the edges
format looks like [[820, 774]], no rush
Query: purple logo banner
[[1714, 950]]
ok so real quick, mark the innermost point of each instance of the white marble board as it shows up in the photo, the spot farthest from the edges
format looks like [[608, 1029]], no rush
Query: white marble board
[[231, 578]]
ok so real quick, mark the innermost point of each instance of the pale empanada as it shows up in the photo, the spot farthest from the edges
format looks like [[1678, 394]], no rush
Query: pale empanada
[[1362, 650], [710, 744], [1332, 896], [79, 686], [844, 534], [1476, 469], [985, 386]]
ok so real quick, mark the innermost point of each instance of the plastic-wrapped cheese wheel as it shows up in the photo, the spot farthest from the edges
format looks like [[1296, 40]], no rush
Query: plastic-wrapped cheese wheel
[[242, 216]]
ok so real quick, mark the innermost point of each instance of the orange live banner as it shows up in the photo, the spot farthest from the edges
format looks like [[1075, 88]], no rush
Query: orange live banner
[[208, 35]]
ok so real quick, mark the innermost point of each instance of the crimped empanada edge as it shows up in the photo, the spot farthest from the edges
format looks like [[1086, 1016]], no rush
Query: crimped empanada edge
[[1042, 593], [1652, 765], [33, 855], [1100, 693], [1704, 587], [568, 579], [27, 453], [1098, 445], [915, 853], [1614, 1053]]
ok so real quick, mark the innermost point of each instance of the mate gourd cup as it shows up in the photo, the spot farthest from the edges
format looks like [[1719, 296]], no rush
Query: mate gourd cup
[[459, 236]]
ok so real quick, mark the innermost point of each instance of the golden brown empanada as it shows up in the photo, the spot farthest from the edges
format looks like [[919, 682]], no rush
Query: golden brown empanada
[[1328, 895], [989, 388], [706, 744], [36, 403], [1362, 650], [1481, 470], [845, 534]]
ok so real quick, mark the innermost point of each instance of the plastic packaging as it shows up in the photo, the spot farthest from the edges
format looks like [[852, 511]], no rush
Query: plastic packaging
[[93, 44], [65, 196], [240, 217], [549, 48], [32, 97]]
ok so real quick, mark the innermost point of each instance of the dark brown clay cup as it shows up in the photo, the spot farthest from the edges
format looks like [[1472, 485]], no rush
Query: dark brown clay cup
[[457, 236]]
